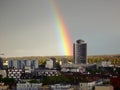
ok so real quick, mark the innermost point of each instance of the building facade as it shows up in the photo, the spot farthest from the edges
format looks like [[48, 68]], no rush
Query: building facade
[[1, 63], [3, 73], [15, 73], [51, 63], [46, 72], [80, 52], [23, 63], [60, 87], [87, 85], [29, 86], [104, 87], [73, 68]]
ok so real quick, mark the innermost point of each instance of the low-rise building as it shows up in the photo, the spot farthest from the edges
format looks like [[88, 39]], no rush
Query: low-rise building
[[72, 68], [46, 72], [109, 87], [50, 63], [3, 86], [106, 63], [15, 73], [60, 87], [87, 85], [3, 73], [64, 61], [29, 86]]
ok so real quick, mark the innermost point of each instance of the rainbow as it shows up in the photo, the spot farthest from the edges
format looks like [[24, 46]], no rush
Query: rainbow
[[65, 41]]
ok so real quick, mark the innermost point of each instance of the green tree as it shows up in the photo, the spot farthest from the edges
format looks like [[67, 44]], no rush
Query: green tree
[[33, 81], [9, 81]]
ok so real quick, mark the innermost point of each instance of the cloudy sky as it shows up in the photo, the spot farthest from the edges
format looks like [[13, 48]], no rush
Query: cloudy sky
[[27, 26]]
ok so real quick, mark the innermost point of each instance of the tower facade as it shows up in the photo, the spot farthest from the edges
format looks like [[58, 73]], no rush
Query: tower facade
[[80, 52], [1, 63]]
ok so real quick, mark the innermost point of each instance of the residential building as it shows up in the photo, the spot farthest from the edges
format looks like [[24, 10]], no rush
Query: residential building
[[80, 52], [23, 63], [105, 63], [3, 86], [104, 87], [115, 81], [1, 63], [15, 73], [60, 87], [29, 86], [64, 61], [3, 73], [73, 68], [45, 72], [87, 85], [51, 63]]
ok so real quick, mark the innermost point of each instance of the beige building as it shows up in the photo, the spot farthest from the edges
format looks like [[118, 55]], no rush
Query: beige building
[[3, 87], [104, 88], [3, 73]]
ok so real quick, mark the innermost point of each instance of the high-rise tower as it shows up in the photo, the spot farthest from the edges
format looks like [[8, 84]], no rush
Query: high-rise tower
[[80, 52]]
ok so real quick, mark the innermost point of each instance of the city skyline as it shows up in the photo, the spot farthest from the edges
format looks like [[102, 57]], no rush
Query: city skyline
[[28, 28]]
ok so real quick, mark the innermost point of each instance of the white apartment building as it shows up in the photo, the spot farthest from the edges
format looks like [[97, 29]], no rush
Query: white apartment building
[[29, 86], [49, 64], [73, 68], [105, 63], [87, 85], [60, 87], [23, 63]]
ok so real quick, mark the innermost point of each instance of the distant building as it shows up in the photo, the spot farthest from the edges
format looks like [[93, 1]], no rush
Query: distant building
[[51, 63], [105, 63], [45, 72], [15, 73], [115, 81], [29, 86], [22, 64], [80, 52], [1, 63], [3, 86], [108, 87], [3, 73], [87, 85], [73, 68], [64, 61], [60, 87]]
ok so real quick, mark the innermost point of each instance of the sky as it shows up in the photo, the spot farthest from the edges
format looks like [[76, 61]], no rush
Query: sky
[[27, 27]]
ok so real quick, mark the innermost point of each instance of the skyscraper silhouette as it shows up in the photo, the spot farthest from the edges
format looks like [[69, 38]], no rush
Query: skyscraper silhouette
[[80, 52]]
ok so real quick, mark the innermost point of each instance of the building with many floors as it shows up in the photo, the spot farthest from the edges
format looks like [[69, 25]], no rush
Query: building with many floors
[[23, 63], [80, 52], [15, 73]]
